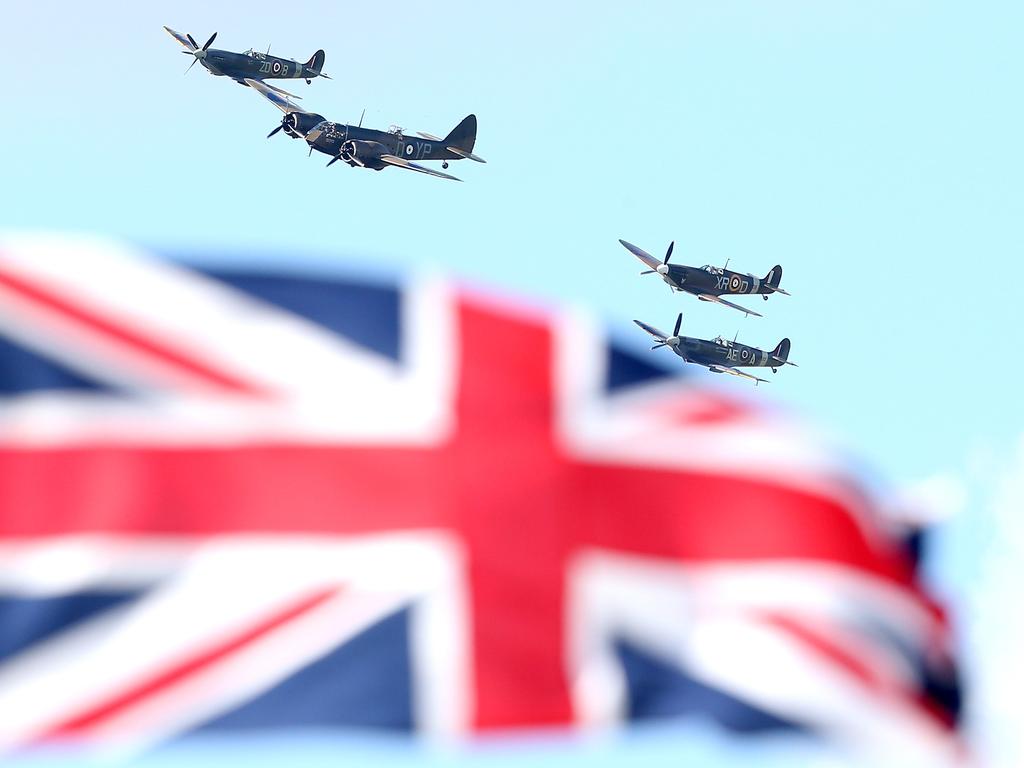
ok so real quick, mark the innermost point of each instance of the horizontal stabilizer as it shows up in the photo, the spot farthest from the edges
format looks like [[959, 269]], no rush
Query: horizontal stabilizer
[[465, 154]]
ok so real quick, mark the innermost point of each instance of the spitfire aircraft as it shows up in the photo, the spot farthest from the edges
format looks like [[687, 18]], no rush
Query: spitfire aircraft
[[709, 283], [369, 148], [720, 355], [252, 64]]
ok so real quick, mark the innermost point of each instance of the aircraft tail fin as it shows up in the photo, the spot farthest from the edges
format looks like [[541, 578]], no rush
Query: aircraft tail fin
[[773, 278], [463, 135], [781, 352], [316, 62]]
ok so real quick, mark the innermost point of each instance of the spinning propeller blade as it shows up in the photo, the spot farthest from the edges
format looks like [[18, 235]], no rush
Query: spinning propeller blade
[[194, 60], [275, 130], [210, 41], [679, 322], [334, 159], [192, 40], [668, 254]]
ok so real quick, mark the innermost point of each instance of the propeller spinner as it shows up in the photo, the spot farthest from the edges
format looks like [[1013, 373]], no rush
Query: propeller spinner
[[197, 52], [674, 338]]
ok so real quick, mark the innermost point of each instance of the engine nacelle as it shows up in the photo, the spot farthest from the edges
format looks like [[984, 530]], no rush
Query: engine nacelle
[[302, 122], [298, 124], [364, 153]]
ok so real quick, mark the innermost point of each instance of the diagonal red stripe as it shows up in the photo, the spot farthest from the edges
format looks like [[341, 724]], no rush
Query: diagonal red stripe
[[139, 343], [74, 726], [820, 643]]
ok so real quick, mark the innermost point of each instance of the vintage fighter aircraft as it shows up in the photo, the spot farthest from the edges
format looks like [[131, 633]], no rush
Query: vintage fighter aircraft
[[720, 355], [369, 148], [249, 65], [708, 283]]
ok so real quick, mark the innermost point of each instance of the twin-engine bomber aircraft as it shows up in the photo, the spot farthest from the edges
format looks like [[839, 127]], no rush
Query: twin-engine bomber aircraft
[[368, 148], [251, 64], [720, 355], [708, 283]]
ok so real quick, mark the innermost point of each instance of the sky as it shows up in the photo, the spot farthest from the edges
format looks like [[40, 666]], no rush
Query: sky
[[870, 147]]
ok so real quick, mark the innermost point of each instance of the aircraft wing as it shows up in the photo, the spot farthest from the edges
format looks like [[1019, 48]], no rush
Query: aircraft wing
[[282, 91], [735, 372], [641, 254], [720, 300], [275, 96], [401, 162], [180, 38], [659, 335]]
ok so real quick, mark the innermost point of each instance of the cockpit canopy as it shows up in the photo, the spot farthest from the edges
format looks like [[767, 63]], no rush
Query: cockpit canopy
[[255, 54], [712, 270], [723, 342]]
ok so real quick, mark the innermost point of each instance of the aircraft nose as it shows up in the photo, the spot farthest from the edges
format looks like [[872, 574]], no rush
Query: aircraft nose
[[662, 269]]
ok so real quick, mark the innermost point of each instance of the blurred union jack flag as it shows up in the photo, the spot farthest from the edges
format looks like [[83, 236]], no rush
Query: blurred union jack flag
[[244, 499]]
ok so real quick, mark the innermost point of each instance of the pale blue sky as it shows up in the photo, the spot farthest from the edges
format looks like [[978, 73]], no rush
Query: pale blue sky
[[871, 147]]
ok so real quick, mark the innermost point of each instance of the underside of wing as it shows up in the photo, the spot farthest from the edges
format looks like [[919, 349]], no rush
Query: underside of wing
[[659, 335], [641, 254], [400, 162], [275, 96], [180, 38], [720, 300], [281, 91], [734, 372]]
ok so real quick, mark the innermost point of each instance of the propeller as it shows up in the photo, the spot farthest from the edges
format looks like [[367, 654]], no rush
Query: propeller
[[667, 341], [289, 123], [663, 267], [197, 52], [672, 340]]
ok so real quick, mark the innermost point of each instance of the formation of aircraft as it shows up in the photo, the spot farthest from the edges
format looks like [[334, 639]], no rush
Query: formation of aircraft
[[362, 147], [251, 65], [369, 148], [352, 144], [710, 283], [720, 355]]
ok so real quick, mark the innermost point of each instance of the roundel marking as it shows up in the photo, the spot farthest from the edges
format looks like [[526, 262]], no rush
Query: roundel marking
[[734, 283], [277, 67], [408, 149], [745, 354]]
